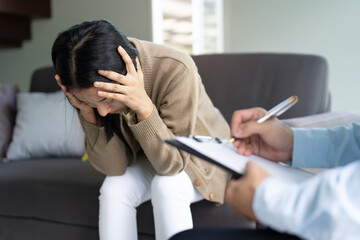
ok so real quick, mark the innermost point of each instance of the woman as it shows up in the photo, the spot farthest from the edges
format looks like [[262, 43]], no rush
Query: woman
[[131, 95]]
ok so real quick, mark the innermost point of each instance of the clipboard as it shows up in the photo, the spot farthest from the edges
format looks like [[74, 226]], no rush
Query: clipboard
[[217, 152]]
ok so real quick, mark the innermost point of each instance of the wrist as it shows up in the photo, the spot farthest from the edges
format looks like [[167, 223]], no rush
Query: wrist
[[88, 116], [144, 113]]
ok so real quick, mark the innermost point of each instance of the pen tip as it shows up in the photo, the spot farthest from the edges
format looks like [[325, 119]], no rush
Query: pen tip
[[294, 99], [231, 140]]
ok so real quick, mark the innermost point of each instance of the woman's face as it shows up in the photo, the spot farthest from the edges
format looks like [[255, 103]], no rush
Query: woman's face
[[104, 106]]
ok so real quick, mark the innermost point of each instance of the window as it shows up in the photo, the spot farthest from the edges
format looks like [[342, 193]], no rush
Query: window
[[193, 26]]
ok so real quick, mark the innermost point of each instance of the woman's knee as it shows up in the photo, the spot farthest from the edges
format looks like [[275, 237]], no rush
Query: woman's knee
[[121, 189], [176, 186], [112, 187]]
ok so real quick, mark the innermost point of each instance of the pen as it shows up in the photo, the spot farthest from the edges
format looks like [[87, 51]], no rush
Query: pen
[[275, 111]]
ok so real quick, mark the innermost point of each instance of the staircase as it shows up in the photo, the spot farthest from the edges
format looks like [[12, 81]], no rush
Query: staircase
[[15, 20]]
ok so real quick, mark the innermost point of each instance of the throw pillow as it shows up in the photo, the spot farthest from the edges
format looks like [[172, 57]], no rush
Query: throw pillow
[[46, 126], [7, 115]]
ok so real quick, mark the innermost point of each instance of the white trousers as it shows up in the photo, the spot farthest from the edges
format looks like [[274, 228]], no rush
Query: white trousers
[[170, 196]]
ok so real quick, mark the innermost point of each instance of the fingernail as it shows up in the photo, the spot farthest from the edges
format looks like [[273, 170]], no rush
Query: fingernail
[[100, 93], [120, 47], [239, 132], [101, 71], [97, 84]]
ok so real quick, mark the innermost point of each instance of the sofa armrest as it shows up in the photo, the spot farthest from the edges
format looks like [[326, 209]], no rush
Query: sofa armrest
[[324, 120], [7, 115]]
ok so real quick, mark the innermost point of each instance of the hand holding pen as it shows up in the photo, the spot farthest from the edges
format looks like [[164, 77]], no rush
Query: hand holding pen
[[252, 134], [275, 111]]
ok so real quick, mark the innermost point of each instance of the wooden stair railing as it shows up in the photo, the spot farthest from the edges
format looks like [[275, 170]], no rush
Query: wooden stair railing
[[15, 20]]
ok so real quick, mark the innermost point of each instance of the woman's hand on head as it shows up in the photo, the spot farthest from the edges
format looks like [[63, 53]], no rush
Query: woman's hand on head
[[271, 139], [128, 89], [86, 111]]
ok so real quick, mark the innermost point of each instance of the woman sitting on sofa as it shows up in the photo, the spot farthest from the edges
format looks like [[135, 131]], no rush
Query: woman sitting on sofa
[[131, 95]]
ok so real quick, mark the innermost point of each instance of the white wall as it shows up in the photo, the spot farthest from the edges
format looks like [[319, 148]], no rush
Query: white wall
[[330, 28], [131, 17]]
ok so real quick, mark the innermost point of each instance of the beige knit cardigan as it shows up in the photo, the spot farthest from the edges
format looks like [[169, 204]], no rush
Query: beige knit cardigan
[[181, 108]]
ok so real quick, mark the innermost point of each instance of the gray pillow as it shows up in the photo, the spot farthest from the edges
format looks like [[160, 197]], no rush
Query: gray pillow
[[46, 126]]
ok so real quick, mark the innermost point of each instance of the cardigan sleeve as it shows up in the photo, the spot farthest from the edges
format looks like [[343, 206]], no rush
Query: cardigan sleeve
[[175, 114], [108, 157]]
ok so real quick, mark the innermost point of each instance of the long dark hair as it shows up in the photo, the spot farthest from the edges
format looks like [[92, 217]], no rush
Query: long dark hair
[[81, 50]]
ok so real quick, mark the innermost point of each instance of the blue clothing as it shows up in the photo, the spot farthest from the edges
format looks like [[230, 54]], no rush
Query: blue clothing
[[326, 206], [326, 148]]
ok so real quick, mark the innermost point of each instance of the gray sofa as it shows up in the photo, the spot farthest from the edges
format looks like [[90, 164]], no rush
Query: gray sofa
[[57, 198]]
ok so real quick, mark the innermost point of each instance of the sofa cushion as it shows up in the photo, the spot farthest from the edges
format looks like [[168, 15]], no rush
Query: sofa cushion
[[51, 190], [34, 229], [7, 115], [46, 125], [54, 190]]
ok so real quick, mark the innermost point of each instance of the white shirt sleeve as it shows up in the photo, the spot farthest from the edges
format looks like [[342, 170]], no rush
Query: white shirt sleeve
[[326, 206]]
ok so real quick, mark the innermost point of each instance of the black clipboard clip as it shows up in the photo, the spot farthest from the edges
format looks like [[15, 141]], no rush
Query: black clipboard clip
[[199, 138]]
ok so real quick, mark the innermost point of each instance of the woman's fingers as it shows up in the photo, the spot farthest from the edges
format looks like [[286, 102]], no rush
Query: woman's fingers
[[63, 88], [111, 87], [128, 62], [117, 77], [72, 99], [130, 68], [139, 70], [57, 78], [125, 82], [116, 96]]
